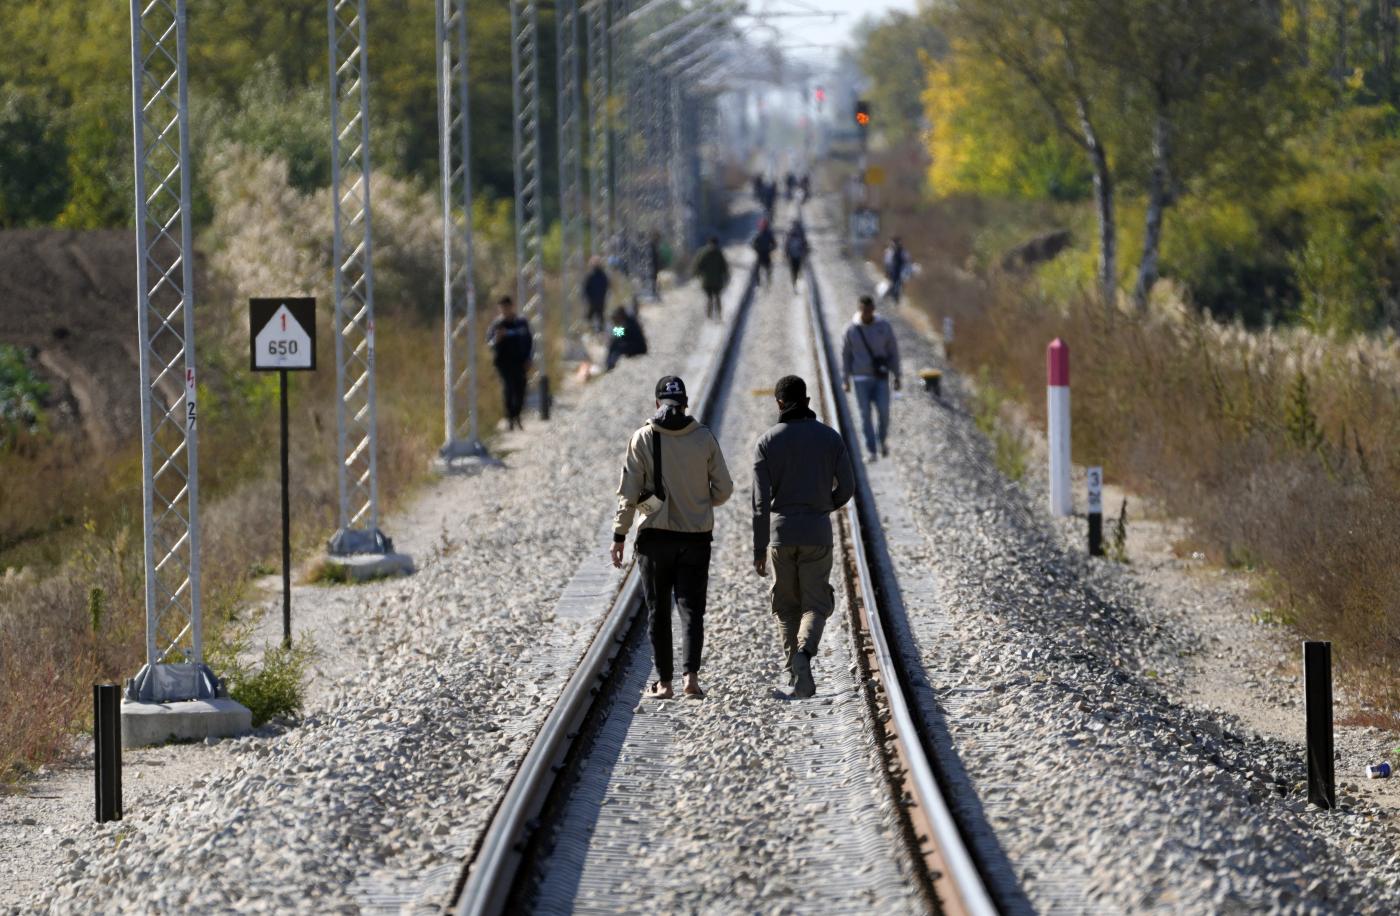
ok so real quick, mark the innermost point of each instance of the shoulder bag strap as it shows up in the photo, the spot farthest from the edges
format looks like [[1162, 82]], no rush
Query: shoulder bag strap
[[865, 343], [656, 463]]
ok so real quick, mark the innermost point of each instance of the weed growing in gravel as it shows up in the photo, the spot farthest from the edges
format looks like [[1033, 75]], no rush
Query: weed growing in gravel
[[277, 687], [1009, 448], [1118, 549]]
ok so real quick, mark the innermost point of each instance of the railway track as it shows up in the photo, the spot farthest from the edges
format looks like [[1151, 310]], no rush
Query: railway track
[[547, 826]]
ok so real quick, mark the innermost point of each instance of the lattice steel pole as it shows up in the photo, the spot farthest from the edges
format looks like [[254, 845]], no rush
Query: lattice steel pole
[[625, 146], [353, 266], [461, 443], [529, 191], [165, 322], [679, 199], [599, 129], [572, 215]]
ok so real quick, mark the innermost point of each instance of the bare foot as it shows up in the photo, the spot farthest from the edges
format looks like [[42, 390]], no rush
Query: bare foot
[[692, 687], [661, 690]]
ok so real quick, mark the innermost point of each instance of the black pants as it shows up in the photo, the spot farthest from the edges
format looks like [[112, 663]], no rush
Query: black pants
[[595, 316], [794, 265], [682, 567], [765, 267], [513, 380], [713, 304]]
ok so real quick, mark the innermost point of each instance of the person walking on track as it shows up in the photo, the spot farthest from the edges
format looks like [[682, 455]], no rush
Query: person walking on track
[[764, 244], [713, 270], [896, 266], [674, 474], [653, 266], [595, 293], [512, 346], [870, 361], [796, 249], [801, 474]]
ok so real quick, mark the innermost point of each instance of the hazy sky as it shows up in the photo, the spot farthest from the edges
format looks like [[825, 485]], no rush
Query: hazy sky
[[824, 30]]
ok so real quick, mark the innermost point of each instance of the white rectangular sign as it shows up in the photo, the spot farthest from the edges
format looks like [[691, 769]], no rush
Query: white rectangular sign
[[1094, 478]]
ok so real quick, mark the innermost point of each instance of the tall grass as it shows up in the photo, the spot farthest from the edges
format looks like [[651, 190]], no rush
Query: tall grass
[[71, 572], [1277, 445]]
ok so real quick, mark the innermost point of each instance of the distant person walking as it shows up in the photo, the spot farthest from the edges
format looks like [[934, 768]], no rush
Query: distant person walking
[[796, 250], [595, 293], [764, 244], [870, 361], [652, 261], [801, 474], [770, 199], [712, 269], [513, 347], [674, 473], [896, 267]]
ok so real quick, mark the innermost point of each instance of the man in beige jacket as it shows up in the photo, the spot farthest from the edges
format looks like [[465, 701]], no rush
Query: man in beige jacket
[[674, 473]]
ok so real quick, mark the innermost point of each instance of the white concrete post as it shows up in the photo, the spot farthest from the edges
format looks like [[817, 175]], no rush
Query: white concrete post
[[1057, 412]]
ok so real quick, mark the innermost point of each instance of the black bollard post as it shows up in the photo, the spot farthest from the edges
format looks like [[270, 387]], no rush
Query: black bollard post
[[546, 401], [1317, 687], [107, 750], [1094, 477]]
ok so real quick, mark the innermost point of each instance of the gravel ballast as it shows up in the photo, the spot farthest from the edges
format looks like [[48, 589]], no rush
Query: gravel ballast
[[371, 801], [744, 801], [1104, 792]]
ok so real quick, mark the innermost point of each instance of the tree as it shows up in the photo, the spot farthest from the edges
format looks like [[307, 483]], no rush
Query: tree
[[1194, 70], [1047, 46], [32, 191]]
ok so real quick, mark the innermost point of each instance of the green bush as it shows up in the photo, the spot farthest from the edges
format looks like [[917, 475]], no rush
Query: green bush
[[277, 687]]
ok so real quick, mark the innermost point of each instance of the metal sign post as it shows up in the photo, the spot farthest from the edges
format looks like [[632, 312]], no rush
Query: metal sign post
[[282, 339]]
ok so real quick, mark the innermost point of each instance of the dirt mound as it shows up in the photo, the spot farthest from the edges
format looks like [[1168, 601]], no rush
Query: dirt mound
[[71, 297]]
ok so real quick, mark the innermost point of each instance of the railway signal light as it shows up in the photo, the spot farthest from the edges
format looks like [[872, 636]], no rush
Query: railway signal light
[[862, 112]]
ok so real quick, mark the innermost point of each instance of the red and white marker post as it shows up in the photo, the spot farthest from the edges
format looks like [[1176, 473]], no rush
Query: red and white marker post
[[1057, 368]]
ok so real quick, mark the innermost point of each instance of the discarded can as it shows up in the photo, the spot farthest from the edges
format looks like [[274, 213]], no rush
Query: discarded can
[[1378, 771]]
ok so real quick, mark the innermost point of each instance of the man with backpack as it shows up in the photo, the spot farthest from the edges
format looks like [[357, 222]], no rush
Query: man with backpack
[[674, 474], [512, 346], [896, 266], [870, 361]]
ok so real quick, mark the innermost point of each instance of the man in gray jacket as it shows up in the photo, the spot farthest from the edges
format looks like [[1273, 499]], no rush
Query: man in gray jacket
[[677, 495], [870, 359], [801, 474]]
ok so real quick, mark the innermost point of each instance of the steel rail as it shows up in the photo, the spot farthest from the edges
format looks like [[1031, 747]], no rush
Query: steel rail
[[965, 878], [489, 875]]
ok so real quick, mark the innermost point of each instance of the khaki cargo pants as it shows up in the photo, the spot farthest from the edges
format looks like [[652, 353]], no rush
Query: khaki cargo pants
[[802, 596]]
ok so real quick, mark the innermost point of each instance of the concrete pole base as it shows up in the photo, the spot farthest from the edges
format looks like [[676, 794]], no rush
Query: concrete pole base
[[144, 724], [463, 457], [362, 567]]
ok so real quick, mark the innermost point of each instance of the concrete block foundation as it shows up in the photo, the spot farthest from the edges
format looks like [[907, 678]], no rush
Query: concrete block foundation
[[144, 724]]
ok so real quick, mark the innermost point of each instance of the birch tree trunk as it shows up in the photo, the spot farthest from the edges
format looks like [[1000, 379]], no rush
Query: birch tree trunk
[[1158, 199], [1103, 204]]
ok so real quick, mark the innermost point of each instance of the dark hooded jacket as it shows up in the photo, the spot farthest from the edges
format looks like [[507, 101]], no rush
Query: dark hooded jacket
[[801, 474]]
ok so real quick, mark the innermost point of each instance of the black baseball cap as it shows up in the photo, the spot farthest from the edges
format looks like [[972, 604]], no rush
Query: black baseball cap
[[790, 390], [671, 390]]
